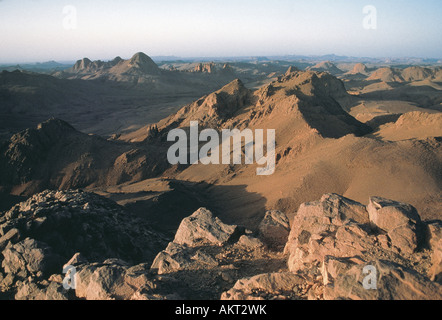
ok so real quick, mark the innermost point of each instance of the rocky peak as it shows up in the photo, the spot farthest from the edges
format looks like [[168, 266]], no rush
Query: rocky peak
[[359, 68], [326, 66], [143, 63], [116, 60], [214, 109], [82, 64], [291, 69], [55, 126]]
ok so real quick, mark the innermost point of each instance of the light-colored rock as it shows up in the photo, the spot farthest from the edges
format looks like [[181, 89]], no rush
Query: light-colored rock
[[347, 241], [274, 229], [400, 220], [29, 257], [178, 257], [29, 290], [102, 281], [11, 235], [394, 282], [76, 259], [248, 242], [203, 228], [435, 242], [330, 226], [333, 267], [264, 285]]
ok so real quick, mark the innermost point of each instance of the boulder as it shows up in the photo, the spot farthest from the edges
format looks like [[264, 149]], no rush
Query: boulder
[[12, 235], [177, 257], [332, 226], [76, 259], [115, 280], [77, 221], [249, 243], [274, 229], [281, 286], [345, 280], [30, 290], [102, 281], [400, 221], [435, 243], [202, 227], [30, 258]]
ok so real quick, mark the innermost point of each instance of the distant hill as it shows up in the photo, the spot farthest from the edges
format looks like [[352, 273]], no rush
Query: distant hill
[[326, 66]]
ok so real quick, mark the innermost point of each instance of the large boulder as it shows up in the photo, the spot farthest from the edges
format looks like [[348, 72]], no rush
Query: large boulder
[[30, 258], [400, 221], [102, 281], [281, 286], [30, 290], [13, 235], [346, 279], [274, 229], [202, 227], [192, 248], [115, 279], [177, 257], [332, 226], [435, 243]]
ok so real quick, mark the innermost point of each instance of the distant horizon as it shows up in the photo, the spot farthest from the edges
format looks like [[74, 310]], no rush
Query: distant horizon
[[312, 57], [47, 30]]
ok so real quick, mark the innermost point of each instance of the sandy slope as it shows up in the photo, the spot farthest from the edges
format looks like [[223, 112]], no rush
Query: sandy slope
[[320, 149]]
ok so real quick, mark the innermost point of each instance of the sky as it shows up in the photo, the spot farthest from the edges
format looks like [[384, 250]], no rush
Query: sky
[[60, 30]]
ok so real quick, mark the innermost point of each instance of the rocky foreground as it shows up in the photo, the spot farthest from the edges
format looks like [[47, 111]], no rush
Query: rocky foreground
[[321, 254]]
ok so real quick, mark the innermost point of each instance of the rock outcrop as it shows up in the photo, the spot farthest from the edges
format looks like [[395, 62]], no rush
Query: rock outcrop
[[336, 249], [400, 221], [40, 235], [435, 243], [341, 238], [139, 65], [393, 282], [203, 228], [211, 110], [271, 286], [274, 229]]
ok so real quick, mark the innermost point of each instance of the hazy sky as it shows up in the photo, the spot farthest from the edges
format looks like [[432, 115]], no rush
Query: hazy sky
[[35, 30]]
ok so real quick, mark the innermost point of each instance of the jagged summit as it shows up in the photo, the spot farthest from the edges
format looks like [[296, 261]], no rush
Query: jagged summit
[[212, 110], [140, 57], [143, 63], [235, 85], [82, 64], [48, 132], [291, 69], [55, 127], [139, 65], [296, 103], [306, 100], [117, 60]]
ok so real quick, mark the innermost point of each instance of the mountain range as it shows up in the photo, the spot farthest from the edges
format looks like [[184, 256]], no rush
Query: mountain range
[[358, 180]]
